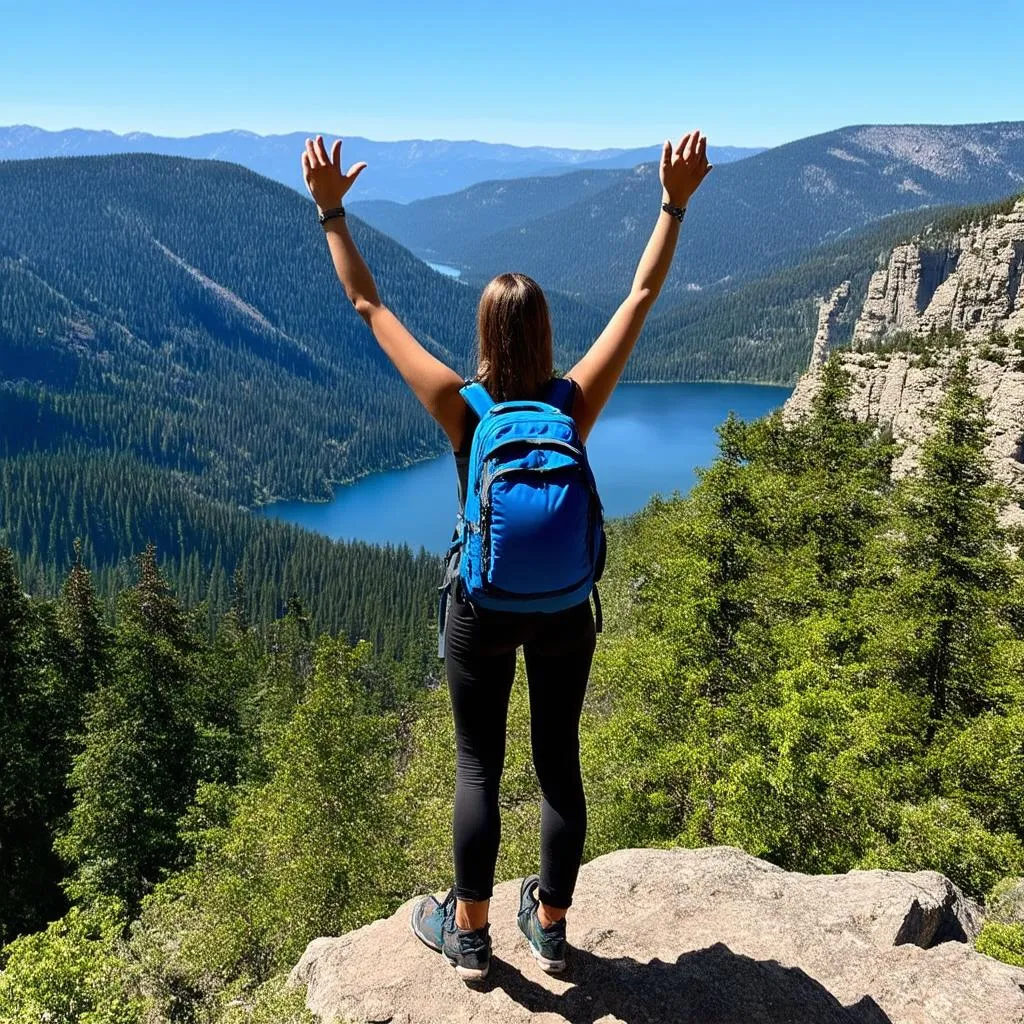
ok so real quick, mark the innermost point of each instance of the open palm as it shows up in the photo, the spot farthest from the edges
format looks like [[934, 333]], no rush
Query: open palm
[[326, 181]]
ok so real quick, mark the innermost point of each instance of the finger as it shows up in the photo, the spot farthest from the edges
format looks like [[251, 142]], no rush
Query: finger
[[311, 154], [321, 151], [336, 154], [691, 145], [356, 169], [666, 155], [305, 164], [683, 139], [702, 149]]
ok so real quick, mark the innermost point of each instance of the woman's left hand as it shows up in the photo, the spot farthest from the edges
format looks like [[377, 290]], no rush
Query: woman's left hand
[[326, 181]]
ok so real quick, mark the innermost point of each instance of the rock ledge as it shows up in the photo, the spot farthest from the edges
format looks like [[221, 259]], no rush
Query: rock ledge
[[713, 936]]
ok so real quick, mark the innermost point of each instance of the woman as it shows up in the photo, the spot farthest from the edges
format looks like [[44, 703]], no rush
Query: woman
[[515, 362]]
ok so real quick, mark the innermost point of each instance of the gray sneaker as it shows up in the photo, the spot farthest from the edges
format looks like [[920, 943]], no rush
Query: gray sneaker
[[546, 944]]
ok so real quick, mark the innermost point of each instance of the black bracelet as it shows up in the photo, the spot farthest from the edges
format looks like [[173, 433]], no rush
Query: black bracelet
[[338, 211], [674, 211]]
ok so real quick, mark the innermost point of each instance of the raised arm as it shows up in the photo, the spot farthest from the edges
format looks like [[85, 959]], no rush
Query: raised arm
[[597, 372], [434, 384]]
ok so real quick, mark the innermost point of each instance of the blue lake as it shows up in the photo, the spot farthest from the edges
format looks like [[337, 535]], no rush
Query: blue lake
[[649, 440], [443, 268]]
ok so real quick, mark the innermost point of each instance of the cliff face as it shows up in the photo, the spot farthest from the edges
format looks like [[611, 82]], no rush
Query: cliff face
[[969, 284]]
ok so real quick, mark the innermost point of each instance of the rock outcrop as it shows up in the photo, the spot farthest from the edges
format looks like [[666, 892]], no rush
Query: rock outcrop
[[898, 392], [828, 315], [969, 284], [712, 936]]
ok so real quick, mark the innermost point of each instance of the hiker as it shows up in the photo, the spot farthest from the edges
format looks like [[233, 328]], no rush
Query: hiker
[[527, 551]]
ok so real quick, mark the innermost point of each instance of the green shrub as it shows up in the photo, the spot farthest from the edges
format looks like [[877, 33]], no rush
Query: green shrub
[[71, 973], [1003, 942]]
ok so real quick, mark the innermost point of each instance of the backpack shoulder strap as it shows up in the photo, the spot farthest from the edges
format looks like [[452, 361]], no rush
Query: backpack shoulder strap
[[561, 392], [477, 398]]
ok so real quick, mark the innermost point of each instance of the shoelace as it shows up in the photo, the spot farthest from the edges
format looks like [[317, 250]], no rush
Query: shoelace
[[448, 903]]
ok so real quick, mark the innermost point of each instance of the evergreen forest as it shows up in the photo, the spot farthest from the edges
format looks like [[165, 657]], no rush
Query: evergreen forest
[[802, 658]]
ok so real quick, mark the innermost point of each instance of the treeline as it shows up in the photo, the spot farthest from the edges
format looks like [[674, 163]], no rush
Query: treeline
[[804, 659], [214, 554]]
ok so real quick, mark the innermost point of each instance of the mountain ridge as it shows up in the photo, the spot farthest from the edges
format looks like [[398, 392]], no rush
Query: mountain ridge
[[404, 169], [749, 217]]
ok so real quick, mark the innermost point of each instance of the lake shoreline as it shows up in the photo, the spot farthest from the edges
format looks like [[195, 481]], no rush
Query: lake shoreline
[[409, 464], [647, 441]]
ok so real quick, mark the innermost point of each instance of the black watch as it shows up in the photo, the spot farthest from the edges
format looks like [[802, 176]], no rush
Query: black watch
[[337, 211], [674, 211]]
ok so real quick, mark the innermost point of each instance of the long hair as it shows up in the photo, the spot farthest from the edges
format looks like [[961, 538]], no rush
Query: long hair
[[514, 335]]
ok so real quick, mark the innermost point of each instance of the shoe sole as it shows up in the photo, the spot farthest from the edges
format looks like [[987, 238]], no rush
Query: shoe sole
[[549, 966], [467, 974]]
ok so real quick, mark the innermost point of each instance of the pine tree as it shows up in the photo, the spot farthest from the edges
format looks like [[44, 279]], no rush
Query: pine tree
[[28, 869], [137, 771], [956, 568], [82, 650]]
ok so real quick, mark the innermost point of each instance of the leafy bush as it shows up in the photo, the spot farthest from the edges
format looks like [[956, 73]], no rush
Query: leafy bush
[[71, 973]]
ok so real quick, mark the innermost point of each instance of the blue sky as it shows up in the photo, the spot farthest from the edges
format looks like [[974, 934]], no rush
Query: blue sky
[[523, 71]]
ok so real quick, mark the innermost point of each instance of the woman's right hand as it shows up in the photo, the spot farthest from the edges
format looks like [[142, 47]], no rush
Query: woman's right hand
[[324, 176], [684, 168]]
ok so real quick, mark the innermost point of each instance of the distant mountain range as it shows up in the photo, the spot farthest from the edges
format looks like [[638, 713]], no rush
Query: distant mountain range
[[583, 233], [401, 171]]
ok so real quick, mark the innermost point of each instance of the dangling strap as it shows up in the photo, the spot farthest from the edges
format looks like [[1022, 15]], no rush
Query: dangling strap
[[598, 617], [560, 394], [477, 398], [449, 578]]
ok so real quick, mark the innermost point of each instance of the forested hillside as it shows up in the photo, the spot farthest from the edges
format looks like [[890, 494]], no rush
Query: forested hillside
[[750, 217], [184, 348], [803, 658], [192, 317], [442, 226], [212, 552]]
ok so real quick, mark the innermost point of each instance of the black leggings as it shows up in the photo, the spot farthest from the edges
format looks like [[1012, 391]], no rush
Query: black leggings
[[480, 662]]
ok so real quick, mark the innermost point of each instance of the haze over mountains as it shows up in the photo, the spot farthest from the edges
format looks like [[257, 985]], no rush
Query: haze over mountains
[[584, 233], [402, 171]]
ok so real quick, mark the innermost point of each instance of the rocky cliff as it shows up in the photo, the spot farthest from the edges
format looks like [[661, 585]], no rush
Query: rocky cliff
[[712, 936], [935, 297], [970, 282]]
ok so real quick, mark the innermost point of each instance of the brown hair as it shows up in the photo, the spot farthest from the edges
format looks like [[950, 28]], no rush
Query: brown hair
[[514, 332]]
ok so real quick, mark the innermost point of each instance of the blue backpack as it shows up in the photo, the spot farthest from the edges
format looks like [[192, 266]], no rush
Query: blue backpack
[[531, 536]]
